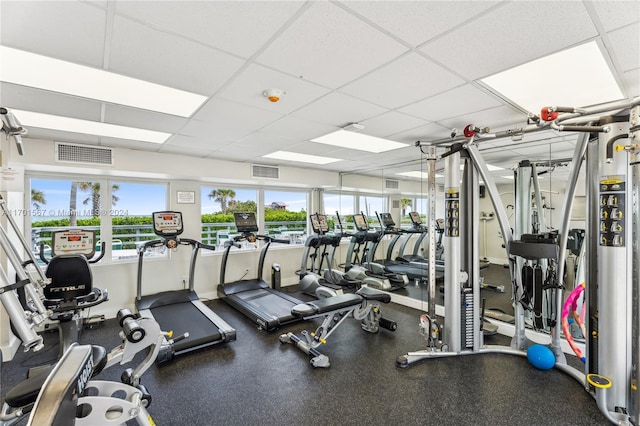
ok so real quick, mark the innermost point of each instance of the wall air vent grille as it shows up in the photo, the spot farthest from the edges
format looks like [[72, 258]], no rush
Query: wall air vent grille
[[268, 172], [391, 184], [82, 154], [395, 204]]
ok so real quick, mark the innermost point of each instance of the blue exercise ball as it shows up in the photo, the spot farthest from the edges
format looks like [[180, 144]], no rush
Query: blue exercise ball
[[541, 357]]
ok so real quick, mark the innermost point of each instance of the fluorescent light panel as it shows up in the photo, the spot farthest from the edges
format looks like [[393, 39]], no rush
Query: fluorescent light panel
[[352, 140], [67, 124], [576, 77], [302, 158], [28, 69]]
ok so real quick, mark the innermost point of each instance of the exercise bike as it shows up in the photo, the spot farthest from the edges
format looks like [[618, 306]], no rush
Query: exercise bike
[[42, 396]]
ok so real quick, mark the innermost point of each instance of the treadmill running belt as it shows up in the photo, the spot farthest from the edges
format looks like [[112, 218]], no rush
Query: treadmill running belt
[[268, 303], [185, 317]]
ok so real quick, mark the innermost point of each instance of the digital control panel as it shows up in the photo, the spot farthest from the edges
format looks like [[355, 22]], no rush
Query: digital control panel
[[319, 223], [415, 218], [76, 241], [360, 222], [387, 220], [246, 222], [167, 223]]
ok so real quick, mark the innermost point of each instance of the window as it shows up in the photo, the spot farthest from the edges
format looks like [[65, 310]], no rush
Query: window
[[130, 211], [217, 207], [370, 205], [285, 215], [57, 204], [344, 205]]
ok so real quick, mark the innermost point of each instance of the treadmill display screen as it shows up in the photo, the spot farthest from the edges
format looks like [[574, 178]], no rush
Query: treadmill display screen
[[387, 221], [246, 222], [167, 223], [415, 218], [319, 223], [360, 222]]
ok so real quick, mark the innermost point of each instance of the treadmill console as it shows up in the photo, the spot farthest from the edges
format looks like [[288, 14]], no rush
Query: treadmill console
[[415, 219], [319, 223], [360, 222], [387, 221], [75, 241], [246, 222], [167, 224]]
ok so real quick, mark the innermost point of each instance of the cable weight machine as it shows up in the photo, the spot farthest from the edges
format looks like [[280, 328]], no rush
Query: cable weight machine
[[610, 142]]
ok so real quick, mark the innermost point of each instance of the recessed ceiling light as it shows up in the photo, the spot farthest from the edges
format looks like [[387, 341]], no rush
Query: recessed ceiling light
[[418, 174], [359, 141], [74, 125], [576, 77], [302, 158], [42, 72]]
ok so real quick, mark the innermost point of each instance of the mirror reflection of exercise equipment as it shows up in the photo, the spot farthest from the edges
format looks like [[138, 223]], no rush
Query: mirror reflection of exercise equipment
[[612, 283]]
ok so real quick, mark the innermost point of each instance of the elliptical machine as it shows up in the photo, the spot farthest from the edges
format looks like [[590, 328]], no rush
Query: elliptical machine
[[314, 280], [375, 275]]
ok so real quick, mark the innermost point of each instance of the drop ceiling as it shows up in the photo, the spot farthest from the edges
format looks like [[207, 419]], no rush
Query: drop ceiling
[[406, 70]]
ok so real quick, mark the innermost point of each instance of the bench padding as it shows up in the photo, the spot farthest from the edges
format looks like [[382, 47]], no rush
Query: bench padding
[[329, 304]]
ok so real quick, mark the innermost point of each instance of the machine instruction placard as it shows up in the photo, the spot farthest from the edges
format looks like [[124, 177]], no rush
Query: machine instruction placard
[[452, 212], [612, 211]]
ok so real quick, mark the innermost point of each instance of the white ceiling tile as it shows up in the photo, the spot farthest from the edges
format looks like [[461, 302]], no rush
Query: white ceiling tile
[[36, 100], [193, 152], [130, 144], [329, 46], [626, 46], [337, 109], [405, 80], [313, 148], [459, 101], [151, 55], [258, 144], [511, 35], [390, 123], [56, 135], [297, 128], [133, 117], [418, 21], [227, 120], [631, 82], [432, 131], [616, 14], [493, 117], [68, 30], [198, 143], [247, 89], [238, 27]]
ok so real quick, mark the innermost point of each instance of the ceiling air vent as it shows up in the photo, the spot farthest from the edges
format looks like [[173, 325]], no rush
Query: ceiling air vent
[[269, 172], [391, 184], [83, 154]]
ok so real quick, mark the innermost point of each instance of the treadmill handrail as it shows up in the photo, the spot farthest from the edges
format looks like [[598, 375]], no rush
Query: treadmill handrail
[[163, 242]]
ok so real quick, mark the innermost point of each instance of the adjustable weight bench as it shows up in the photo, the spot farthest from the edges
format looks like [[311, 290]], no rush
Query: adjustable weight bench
[[336, 310]]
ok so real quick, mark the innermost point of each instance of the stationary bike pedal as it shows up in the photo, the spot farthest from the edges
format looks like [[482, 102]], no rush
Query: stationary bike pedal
[[94, 322], [146, 396]]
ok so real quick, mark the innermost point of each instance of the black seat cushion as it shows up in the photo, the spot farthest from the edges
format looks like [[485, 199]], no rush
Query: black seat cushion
[[26, 392], [70, 278]]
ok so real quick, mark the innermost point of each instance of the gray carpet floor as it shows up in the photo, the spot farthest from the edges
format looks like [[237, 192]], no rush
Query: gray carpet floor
[[256, 380]]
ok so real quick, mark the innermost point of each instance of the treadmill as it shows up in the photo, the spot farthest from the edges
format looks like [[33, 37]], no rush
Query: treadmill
[[255, 298], [180, 311], [414, 270]]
